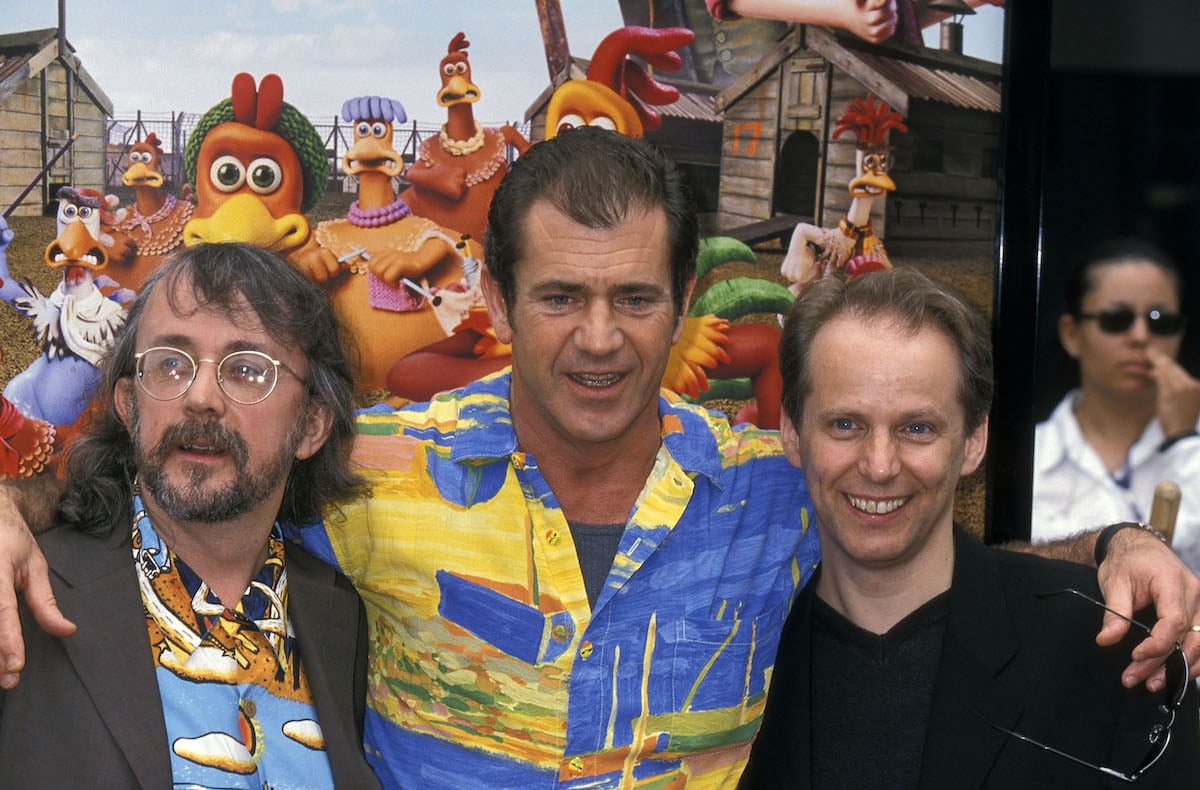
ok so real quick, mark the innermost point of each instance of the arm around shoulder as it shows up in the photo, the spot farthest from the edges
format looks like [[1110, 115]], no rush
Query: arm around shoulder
[[23, 569], [1137, 569]]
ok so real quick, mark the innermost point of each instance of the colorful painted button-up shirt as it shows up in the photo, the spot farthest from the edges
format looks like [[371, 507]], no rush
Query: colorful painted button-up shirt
[[489, 669], [237, 704]]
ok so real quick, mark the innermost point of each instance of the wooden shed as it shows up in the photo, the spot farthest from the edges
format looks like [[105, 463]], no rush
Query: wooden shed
[[46, 96], [690, 133], [779, 164]]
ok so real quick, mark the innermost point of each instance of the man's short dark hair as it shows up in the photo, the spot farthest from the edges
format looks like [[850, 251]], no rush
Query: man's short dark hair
[[100, 463], [904, 297], [595, 177]]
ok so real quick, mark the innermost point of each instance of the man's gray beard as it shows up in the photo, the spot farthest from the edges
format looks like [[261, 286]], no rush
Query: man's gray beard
[[188, 502]]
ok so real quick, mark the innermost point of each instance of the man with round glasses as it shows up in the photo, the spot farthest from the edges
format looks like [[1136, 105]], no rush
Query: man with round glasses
[[211, 651], [1131, 423], [918, 657]]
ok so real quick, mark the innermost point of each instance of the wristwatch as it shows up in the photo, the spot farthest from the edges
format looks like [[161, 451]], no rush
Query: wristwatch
[[1106, 536]]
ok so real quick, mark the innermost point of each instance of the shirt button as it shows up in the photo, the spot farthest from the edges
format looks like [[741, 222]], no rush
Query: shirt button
[[560, 633], [552, 537], [585, 650], [576, 765]]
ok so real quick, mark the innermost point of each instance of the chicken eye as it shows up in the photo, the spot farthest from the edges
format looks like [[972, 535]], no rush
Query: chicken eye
[[448, 69], [379, 129], [226, 173], [603, 122], [362, 129], [570, 121], [69, 211], [265, 175], [85, 212]]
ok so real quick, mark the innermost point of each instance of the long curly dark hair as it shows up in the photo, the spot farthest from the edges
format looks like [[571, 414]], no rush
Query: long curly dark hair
[[100, 463]]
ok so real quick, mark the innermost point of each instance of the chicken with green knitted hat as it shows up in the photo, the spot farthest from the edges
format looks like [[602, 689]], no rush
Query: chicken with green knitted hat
[[256, 164]]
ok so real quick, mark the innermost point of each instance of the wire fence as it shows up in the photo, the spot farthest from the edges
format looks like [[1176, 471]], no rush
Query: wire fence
[[173, 130]]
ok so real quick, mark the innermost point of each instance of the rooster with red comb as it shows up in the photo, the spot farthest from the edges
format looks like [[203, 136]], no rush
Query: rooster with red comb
[[458, 170], [851, 248]]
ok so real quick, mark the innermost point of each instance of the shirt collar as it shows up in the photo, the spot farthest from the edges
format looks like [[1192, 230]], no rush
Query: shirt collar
[[263, 607], [485, 430]]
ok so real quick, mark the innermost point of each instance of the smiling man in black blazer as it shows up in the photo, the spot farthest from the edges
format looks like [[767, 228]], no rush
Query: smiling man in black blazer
[[921, 658]]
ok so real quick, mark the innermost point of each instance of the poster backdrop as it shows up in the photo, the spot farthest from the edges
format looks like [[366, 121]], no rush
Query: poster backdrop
[[758, 108]]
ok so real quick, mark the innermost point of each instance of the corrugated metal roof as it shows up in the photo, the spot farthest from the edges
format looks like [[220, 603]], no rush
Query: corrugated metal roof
[[691, 105], [924, 74], [936, 84]]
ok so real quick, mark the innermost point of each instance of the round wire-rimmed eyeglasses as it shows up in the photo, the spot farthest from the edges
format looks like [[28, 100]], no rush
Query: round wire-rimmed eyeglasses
[[246, 377]]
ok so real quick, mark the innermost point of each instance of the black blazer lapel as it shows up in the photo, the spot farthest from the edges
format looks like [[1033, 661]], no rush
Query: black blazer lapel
[[331, 628], [960, 745], [96, 587]]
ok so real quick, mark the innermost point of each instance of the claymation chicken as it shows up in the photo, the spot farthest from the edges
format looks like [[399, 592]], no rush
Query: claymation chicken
[[458, 170], [619, 93], [26, 443], [852, 247], [397, 280], [256, 164], [154, 222], [74, 325]]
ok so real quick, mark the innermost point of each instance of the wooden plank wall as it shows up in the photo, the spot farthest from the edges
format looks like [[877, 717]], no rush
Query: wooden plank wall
[[750, 138], [946, 177], [790, 99], [21, 128], [21, 122]]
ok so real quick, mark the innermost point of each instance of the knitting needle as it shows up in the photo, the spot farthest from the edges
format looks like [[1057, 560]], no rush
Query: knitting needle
[[434, 300]]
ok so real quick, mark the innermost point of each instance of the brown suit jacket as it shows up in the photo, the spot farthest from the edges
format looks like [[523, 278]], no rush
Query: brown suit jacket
[[87, 711]]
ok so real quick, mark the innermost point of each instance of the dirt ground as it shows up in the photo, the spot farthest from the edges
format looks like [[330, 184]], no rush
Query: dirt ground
[[972, 277]]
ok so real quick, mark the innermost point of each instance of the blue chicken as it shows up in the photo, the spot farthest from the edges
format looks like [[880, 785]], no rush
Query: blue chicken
[[74, 326]]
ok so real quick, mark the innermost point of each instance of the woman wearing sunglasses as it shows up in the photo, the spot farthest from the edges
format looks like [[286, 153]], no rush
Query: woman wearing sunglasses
[[1132, 421]]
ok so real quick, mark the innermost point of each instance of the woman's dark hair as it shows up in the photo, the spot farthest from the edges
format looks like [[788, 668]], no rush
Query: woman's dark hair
[[1111, 251]]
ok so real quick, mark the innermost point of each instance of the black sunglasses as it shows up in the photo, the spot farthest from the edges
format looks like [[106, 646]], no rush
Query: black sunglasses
[[1160, 734], [1118, 320]]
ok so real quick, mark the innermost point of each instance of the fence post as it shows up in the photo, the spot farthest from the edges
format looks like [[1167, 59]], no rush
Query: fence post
[[176, 152], [109, 125]]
